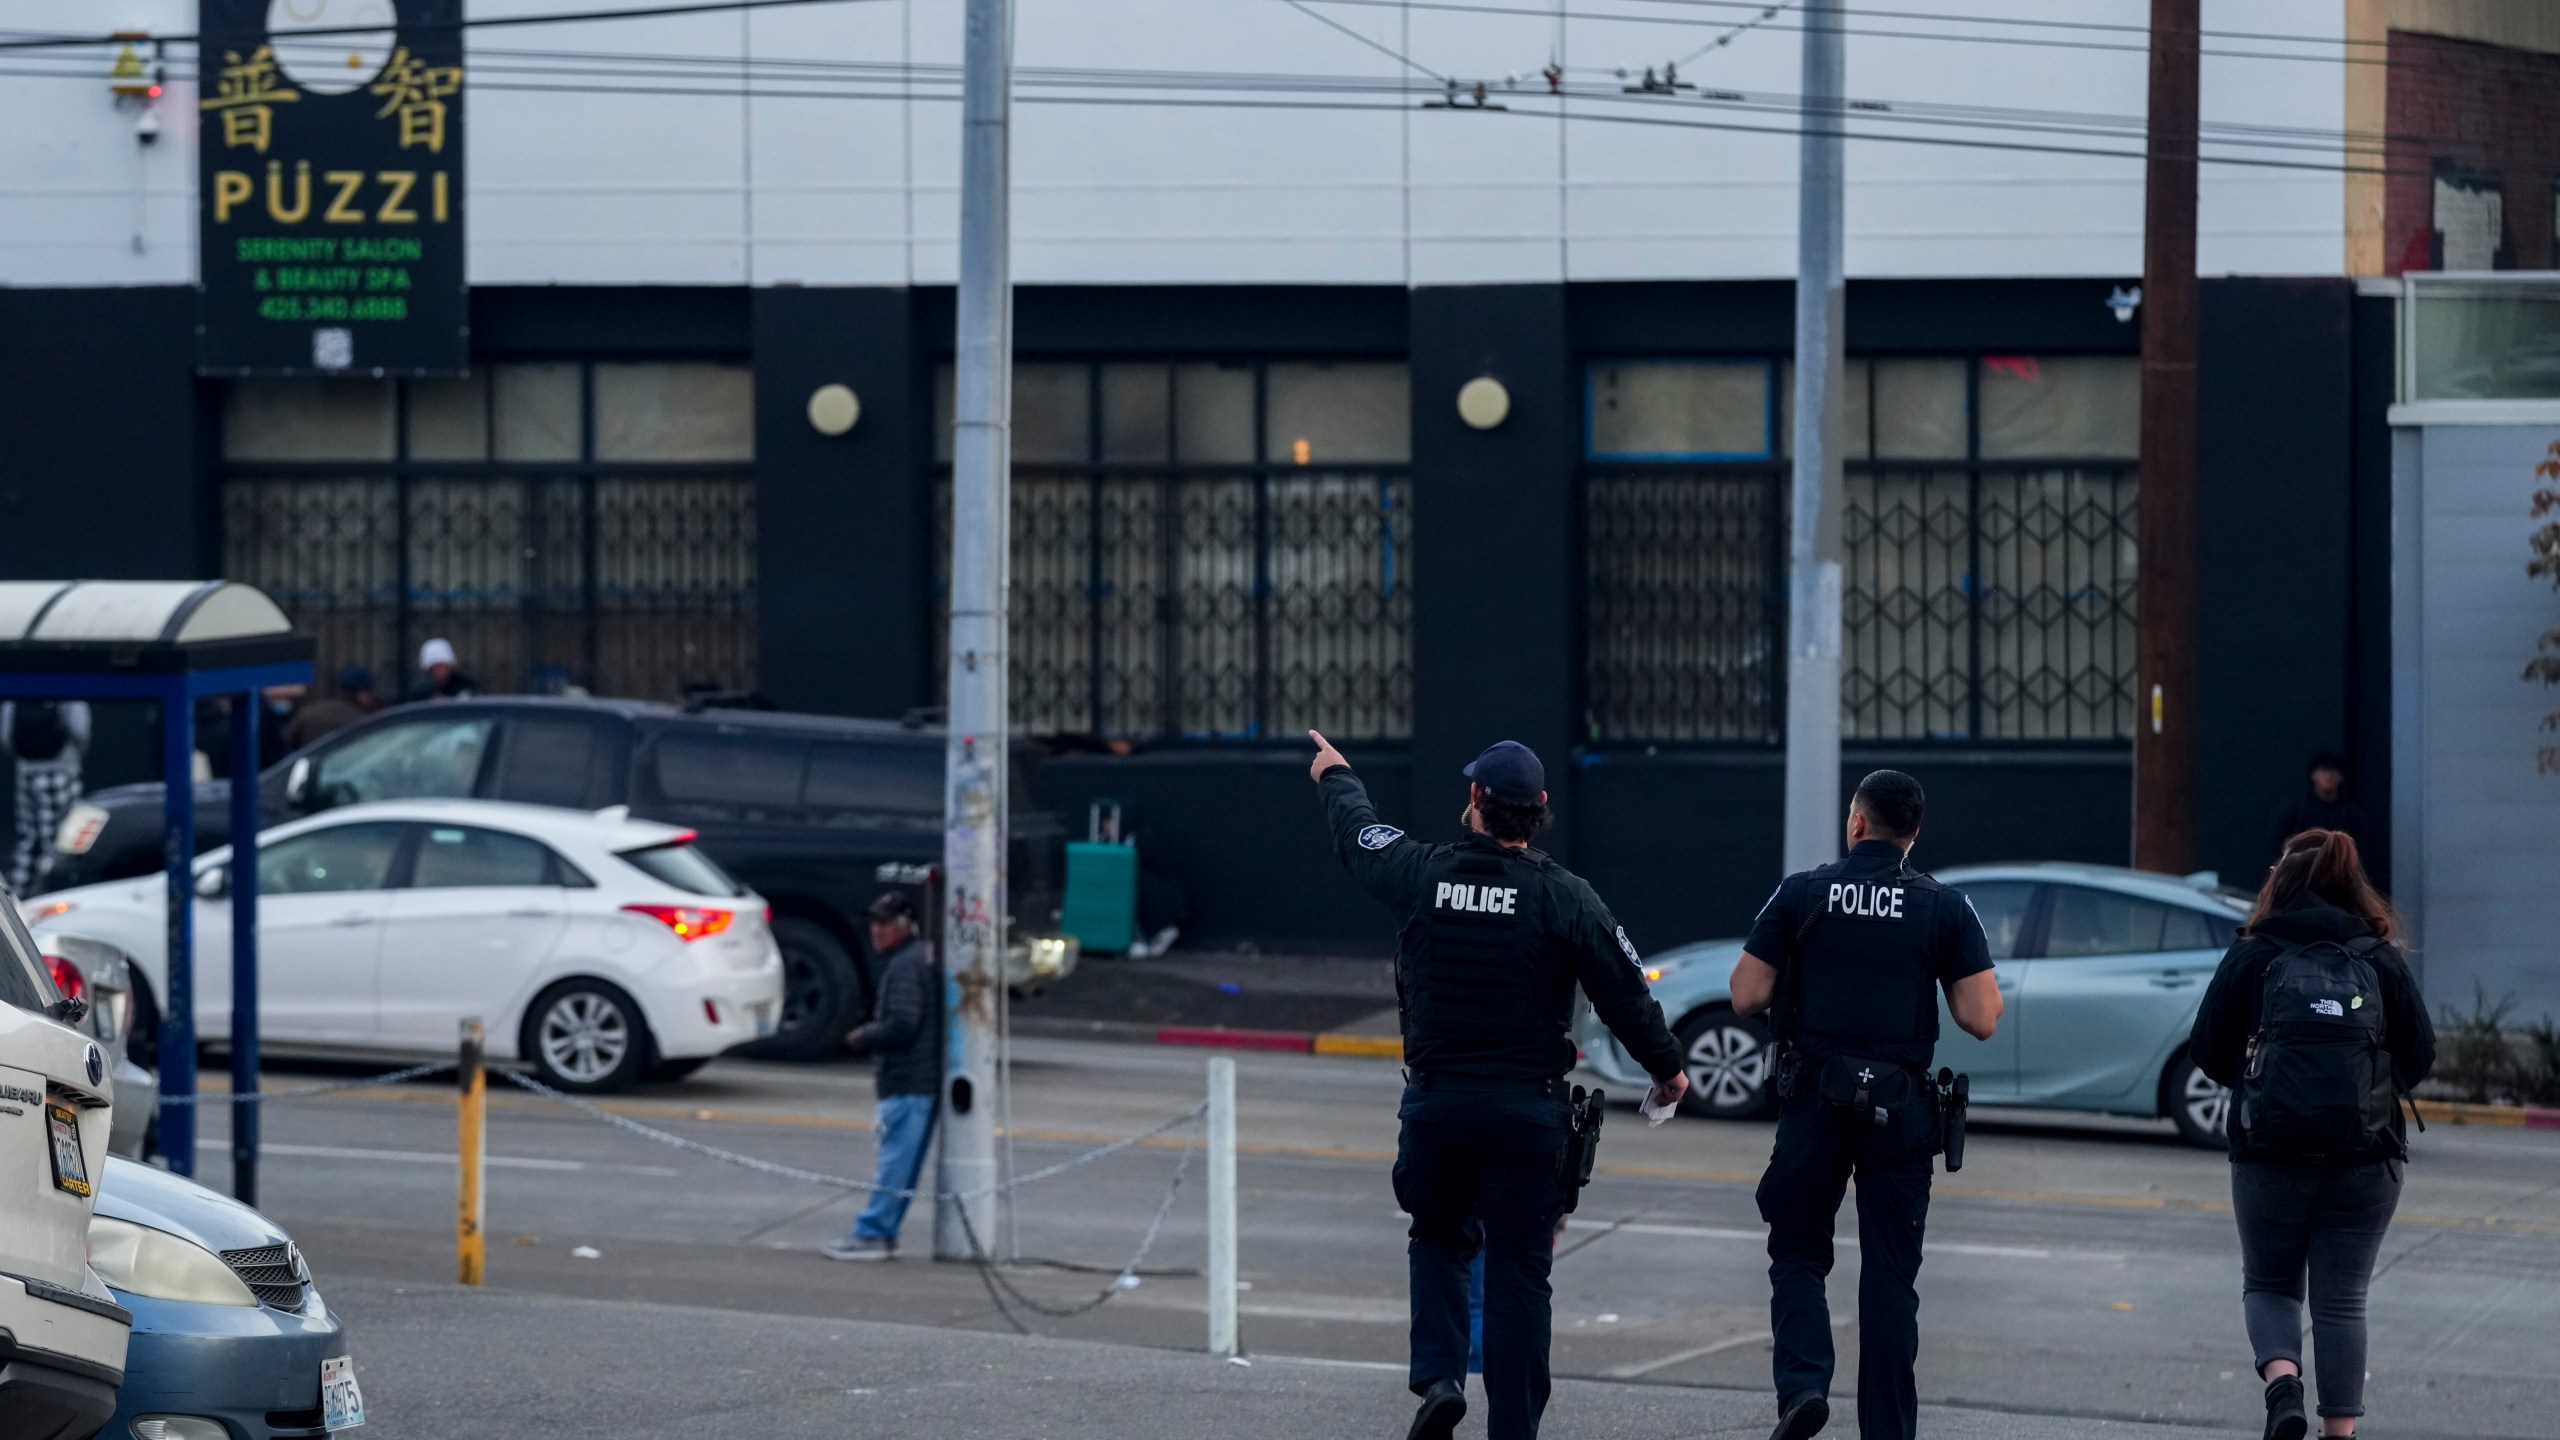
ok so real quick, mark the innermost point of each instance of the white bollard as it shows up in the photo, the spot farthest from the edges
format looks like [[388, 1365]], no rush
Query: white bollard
[[1222, 1205]]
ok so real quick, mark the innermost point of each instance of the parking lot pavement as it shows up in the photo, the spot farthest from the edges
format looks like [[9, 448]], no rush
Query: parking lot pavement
[[2082, 1269], [441, 1363]]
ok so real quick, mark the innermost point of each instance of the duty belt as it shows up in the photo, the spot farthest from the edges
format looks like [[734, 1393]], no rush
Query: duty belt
[[1555, 1089]]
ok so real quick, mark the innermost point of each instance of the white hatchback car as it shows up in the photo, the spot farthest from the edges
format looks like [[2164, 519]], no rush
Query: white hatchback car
[[599, 949]]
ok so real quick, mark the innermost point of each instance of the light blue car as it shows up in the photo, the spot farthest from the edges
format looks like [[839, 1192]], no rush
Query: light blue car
[[2101, 967]]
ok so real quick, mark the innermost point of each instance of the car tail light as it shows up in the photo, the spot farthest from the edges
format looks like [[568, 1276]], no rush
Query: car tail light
[[79, 829], [690, 922], [67, 978]]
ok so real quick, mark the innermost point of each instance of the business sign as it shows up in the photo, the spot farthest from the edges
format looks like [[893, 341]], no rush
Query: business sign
[[329, 144]]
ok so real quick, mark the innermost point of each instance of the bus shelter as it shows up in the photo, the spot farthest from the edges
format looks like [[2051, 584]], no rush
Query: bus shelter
[[174, 642]]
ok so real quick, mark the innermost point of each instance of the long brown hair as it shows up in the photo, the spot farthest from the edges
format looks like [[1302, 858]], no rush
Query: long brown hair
[[2325, 863]]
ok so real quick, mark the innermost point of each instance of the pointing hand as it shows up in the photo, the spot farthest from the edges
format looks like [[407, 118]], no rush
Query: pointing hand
[[1326, 757]]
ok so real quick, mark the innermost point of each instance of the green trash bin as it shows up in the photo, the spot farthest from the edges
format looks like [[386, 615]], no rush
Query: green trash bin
[[1102, 896]]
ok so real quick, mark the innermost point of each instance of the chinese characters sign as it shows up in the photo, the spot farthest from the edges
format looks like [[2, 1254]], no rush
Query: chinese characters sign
[[330, 187]]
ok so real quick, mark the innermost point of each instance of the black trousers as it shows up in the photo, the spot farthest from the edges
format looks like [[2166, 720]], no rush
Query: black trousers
[[1816, 1154], [1479, 1171]]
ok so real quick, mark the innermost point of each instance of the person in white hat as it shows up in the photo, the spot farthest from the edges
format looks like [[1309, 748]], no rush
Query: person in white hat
[[440, 675]]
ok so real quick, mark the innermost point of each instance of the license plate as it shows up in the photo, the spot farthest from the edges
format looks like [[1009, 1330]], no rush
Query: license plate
[[341, 1403], [70, 1166]]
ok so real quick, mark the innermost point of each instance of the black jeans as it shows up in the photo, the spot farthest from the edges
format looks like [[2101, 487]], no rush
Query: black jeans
[[1479, 1171], [1800, 1197], [2326, 1223]]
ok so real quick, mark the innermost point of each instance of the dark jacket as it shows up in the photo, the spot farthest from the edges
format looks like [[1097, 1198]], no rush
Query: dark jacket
[[2310, 812], [1579, 943], [904, 1033], [2228, 1015]]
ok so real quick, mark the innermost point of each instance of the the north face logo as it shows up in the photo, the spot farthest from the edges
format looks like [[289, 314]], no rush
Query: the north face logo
[[2328, 1007]]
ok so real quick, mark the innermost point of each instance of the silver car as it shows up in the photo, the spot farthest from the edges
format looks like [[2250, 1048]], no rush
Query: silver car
[[2102, 969]]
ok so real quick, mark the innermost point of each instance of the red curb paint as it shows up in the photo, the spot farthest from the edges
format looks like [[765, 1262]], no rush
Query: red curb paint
[[1223, 1038], [2536, 1119]]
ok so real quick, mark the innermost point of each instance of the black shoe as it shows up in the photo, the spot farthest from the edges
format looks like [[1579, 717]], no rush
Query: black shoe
[[1803, 1417], [1443, 1406], [2285, 1420]]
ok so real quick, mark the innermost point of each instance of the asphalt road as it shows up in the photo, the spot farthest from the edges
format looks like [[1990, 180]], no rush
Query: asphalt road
[[2077, 1271]]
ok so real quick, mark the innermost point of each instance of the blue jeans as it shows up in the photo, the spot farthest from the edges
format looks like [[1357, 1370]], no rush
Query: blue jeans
[[906, 1126]]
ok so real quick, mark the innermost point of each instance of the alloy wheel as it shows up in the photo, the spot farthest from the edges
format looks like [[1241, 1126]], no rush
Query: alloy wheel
[[584, 1037], [2206, 1102], [1728, 1065]]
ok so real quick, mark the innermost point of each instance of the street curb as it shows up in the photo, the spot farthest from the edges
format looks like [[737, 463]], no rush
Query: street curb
[[2463, 1112], [1216, 1037]]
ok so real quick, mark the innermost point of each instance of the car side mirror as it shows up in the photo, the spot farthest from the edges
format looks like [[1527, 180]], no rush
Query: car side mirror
[[213, 884], [297, 782]]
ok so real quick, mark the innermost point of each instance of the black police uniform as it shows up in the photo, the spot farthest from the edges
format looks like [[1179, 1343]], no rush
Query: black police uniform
[[1494, 941], [1862, 947]]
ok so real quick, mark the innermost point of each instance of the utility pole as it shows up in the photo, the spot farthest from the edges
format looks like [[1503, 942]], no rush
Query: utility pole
[[2164, 728], [1813, 548], [975, 811]]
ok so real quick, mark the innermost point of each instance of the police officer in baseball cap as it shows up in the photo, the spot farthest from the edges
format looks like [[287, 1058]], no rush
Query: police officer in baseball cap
[[1495, 936]]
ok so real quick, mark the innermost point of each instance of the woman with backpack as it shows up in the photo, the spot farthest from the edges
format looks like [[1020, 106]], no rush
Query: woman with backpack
[[2316, 1024]]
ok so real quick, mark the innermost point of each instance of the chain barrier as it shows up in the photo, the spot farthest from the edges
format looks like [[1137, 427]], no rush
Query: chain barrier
[[1001, 1290], [300, 1092]]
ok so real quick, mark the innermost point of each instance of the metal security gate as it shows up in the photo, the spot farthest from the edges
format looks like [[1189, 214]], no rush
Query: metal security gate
[[589, 568]]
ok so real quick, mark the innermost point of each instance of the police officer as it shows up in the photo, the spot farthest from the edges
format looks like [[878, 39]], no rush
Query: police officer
[[1496, 935], [1847, 958]]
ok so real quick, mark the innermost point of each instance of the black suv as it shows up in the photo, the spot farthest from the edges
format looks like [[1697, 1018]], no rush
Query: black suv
[[803, 808]]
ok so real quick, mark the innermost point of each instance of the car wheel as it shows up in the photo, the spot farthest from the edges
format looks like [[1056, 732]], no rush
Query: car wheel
[[2199, 1104], [822, 994], [586, 1036], [1728, 1060]]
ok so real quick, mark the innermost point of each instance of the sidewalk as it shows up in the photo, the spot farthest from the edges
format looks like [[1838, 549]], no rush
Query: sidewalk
[[443, 1363], [1217, 989]]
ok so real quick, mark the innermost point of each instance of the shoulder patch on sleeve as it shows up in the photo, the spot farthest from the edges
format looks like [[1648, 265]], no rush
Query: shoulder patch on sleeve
[[1379, 837], [1630, 947]]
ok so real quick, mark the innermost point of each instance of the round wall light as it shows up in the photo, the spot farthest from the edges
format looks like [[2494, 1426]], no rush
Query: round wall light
[[1483, 403], [833, 409]]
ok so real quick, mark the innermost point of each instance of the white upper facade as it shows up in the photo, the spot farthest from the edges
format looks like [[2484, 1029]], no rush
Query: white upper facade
[[645, 162]]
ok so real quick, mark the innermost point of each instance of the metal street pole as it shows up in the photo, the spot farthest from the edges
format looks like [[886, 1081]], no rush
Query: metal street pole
[[1813, 548], [974, 816], [2164, 725]]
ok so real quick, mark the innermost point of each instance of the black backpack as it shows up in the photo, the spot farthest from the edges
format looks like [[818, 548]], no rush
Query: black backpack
[[37, 731], [2318, 1084]]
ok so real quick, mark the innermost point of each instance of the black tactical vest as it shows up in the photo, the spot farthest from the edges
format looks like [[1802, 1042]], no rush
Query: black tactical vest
[[1486, 988], [1863, 972]]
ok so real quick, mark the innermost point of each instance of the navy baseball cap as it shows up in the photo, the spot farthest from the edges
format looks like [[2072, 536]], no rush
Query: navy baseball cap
[[1509, 770]]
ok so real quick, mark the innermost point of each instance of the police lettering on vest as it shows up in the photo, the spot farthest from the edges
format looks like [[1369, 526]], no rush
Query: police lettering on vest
[[1867, 902], [1476, 899]]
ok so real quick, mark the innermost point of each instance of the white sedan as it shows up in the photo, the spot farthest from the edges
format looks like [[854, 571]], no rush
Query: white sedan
[[599, 949]]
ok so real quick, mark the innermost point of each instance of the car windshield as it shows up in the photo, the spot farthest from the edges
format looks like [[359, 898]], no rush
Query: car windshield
[[24, 980], [684, 867]]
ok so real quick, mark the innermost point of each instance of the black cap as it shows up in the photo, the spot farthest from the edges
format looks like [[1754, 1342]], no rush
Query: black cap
[[1509, 770], [893, 905]]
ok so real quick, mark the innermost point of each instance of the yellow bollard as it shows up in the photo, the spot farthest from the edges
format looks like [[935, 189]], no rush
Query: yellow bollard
[[470, 1246]]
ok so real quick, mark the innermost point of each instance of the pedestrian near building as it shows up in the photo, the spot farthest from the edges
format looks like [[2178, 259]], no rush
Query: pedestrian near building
[[1495, 938], [2318, 1026], [1848, 959], [440, 674], [50, 740], [326, 714], [2322, 805], [904, 1039]]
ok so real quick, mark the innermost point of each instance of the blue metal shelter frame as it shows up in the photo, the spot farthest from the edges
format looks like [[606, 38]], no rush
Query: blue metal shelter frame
[[168, 672]]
